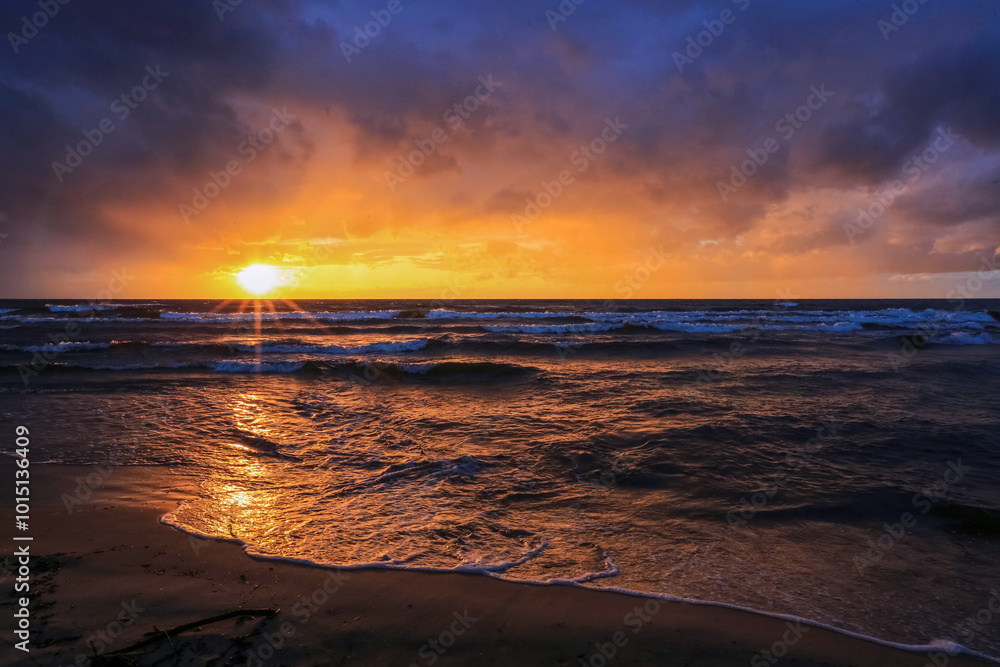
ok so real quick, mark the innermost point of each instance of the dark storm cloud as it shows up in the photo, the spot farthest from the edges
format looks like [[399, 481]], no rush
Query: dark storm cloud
[[951, 85], [66, 79]]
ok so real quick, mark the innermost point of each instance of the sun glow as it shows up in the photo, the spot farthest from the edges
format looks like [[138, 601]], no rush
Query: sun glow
[[258, 278]]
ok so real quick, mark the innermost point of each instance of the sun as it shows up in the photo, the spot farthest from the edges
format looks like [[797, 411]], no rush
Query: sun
[[258, 278]]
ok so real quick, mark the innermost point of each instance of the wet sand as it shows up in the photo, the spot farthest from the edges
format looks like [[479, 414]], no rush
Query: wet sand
[[108, 576]]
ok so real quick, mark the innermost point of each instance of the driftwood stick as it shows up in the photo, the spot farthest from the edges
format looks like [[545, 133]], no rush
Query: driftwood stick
[[157, 636]]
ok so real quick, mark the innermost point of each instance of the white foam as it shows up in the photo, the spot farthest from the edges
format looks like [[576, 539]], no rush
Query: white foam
[[903, 315], [360, 316], [844, 320], [694, 328], [962, 338], [418, 368], [610, 570], [80, 308], [26, 319], [61, 347], [503, 566], [841, 326]]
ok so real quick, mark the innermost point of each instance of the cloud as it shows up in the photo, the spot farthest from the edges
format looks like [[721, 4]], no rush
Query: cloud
[[354, 120]]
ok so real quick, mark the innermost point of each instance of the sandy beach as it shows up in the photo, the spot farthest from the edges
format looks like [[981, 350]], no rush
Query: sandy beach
[[111, 585]]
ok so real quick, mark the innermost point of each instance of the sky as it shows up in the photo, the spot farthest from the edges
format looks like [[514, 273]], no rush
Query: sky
[[517, 149]]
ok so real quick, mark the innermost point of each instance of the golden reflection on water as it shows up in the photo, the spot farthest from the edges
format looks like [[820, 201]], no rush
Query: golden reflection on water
[[250, 415], [244, 496], [244, 510], [237, 496]]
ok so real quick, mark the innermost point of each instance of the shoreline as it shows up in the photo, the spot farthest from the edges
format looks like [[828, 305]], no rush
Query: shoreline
[[952, 648], [111, 571]]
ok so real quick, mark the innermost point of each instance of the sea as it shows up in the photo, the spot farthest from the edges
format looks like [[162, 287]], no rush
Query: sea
[[833, 460]]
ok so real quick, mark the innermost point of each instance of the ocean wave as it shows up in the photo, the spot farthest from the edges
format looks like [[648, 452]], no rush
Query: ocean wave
[[696, 321], [57, 347], [841, 326], [387, 347], [449, 368], [351, 316], [459, 372], [71, 367], [197, 345], [970, 518], [419, 369], [653, 315], [694, 328], [132, 367], [464, 315], [554, 328], [86, 346], [80, 308], [254, 367], [254, 443], [440, 370], [41, 319], [963, 338]]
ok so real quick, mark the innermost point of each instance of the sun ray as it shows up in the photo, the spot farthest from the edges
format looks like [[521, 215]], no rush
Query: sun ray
[[257, 329], [222, 304], [321, 325]]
